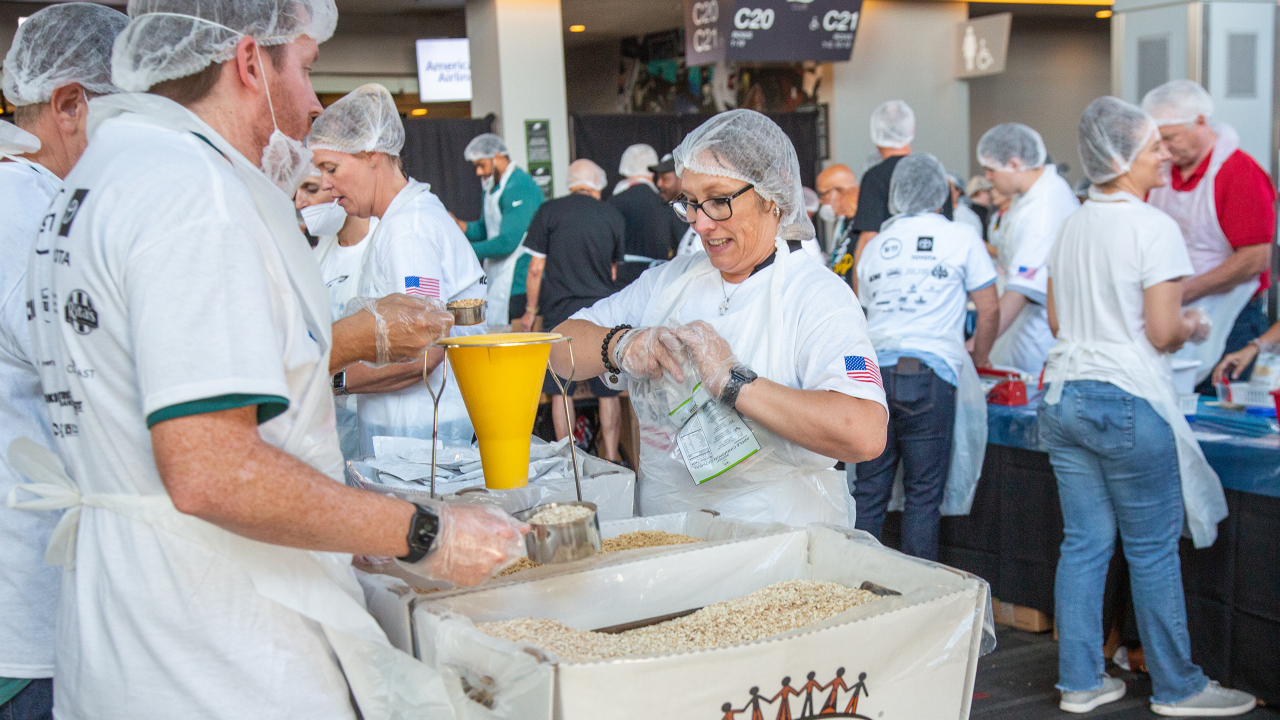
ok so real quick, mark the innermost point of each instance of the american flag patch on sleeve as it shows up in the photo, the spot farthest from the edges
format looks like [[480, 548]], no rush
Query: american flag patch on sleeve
[[1027, 272], [415, 285], [862, 369]]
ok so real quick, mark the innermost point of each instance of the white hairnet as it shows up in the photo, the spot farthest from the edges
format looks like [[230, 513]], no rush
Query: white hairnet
[[636, 161], [893, 125], [919, 185], [60, 45], [1178, 102], [363, 120], [586, 173], [171, 39], [747, 146], [1112, 132], [483, 147], [16, 141], [1004, 143]]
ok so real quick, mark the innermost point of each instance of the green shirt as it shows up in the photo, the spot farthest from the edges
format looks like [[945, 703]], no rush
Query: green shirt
[[520, 199], [10, 687]]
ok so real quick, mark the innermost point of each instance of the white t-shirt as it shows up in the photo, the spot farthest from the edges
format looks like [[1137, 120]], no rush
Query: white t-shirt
[[158, 284], [823, 319], [340, 269], [1111, 250], [915, 277], [28, 585]]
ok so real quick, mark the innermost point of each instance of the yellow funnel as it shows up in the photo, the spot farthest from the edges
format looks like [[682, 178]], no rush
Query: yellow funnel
[[500, 377]]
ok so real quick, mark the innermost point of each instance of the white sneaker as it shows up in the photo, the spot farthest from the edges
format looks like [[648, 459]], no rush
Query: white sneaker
[[1082, 702], [1213, 701]]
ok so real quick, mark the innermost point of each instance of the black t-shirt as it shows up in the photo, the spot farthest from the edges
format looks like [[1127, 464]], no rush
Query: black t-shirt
[[653, 230], [873, 197], [581, 238]]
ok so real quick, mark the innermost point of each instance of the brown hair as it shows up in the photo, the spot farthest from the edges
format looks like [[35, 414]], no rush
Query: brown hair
[[192, 89], [27, 116]]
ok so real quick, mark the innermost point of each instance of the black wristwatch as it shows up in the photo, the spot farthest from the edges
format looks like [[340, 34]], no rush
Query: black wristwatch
[[739, 376], [424, 528], [340, 383]]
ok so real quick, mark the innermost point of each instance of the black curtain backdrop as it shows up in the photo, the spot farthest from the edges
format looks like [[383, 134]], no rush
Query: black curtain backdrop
[[603, 138], [433, 154]]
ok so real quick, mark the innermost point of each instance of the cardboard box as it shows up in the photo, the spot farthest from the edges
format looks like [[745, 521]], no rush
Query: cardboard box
[[910, 656], [1022, 618]]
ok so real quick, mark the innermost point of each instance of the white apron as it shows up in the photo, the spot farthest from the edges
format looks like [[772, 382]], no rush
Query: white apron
[[499, 274], [345, 407], [385, 682], [408, 412], [782, 482], [1151, 373], [1197, 215]]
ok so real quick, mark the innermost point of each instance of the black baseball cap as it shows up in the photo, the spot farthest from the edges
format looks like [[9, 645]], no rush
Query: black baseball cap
[[666, 165]]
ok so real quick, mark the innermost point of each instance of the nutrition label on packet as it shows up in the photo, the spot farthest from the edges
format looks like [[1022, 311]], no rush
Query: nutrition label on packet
[[713, 439]]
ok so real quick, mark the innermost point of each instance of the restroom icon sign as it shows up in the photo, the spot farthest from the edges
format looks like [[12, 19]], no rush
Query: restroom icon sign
[[982, 44]]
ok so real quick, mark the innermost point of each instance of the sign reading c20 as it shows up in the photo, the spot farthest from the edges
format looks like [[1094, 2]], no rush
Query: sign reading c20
[[769, 30]]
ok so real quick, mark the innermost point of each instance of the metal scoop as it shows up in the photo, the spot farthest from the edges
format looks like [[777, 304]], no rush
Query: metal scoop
[[562, 542]]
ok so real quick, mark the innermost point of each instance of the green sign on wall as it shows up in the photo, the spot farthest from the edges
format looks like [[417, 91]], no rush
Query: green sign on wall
[[537, 137]]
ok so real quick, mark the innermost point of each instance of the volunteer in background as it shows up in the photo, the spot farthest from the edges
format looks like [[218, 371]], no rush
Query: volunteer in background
[[415, 250], [917, 276], [962, 210], [1225, 205], [511, 197], [1233, 365], [668, 183], [893, 127], [1120, 447], [653, 233], [837, 189], [60, 56], [577, 243], [207, 549], [340, 249], [773, 334], [1014, 158]]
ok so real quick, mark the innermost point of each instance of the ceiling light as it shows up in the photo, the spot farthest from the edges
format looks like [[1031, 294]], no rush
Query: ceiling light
[[577, 28], [1102, 14], [418, 112]]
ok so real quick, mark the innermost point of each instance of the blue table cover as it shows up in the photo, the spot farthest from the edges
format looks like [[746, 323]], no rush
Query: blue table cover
[[1248, 464]]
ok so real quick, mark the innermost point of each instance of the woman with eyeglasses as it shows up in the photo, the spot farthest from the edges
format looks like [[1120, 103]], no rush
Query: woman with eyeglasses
[[776, 342]]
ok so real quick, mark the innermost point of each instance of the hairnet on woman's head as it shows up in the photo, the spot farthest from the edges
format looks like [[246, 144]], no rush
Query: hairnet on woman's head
[[171, 39], [583, 172], [1178, 102], [919, 185], [747, 146], [363, 120], [636, 161], [60, 45], [1112, 132], [893, 125], [1003, 144], [483, 147]]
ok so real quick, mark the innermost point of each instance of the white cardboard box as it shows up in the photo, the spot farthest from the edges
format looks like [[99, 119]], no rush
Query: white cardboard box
[[918, 651]]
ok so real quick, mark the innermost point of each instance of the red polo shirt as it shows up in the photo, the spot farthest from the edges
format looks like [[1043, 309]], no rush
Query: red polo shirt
[[1245, 200]]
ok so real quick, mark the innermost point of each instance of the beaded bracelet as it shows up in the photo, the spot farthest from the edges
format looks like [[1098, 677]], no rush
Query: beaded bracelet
[[604, 349]]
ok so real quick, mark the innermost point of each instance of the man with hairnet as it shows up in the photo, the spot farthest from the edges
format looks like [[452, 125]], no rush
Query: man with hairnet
[[1014, 157], [837, 189], [653, 231], [1225, 204], [59, 58], [577, 243], [668, 183], [511, 197], [178, 318], [893, 128]]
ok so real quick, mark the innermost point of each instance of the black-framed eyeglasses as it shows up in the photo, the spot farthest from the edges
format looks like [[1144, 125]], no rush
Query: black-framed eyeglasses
[[716, 208]]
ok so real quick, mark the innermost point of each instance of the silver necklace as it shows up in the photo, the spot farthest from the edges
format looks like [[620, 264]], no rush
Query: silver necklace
[[724, 306]]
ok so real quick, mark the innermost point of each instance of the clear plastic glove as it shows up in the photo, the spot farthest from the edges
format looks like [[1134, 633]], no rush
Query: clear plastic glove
[[1203, 325], [710, 352], [404, 325], [646, 352], [475, 542]]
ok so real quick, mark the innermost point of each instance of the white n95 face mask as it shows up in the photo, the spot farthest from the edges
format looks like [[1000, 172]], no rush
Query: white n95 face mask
[[487, 183], [286, 162], [325, 219], [827, 213]]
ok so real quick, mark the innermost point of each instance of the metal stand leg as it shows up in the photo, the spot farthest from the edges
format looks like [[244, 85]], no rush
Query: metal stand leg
[[435, 415], [573, 449]]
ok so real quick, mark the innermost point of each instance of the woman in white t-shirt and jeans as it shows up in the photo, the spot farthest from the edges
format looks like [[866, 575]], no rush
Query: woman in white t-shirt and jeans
[[1120, 448]]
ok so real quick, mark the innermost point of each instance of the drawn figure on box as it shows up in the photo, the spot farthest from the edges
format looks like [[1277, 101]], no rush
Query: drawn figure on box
[[807, 709], [729, 712], [756, 697], [836, 685], [784, 712], [859, 687]]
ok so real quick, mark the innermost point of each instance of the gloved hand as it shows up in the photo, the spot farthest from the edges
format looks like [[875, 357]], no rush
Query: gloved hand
[[710, 352], [475, 541], [404, 325], [1202, 323], [646, 352]]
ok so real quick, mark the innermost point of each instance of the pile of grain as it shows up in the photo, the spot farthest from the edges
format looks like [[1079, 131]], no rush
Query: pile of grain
[[467, 303], [561, 514], [778, 608], [644, 539]]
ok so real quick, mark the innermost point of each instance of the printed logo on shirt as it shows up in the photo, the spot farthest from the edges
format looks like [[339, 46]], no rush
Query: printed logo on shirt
[[64, 399], [47, 224], [924, 244], [73, 207], [940, 272], [873, 278], [1027, 272], [79, 312], [422, 287], [893, 272], [337, 281], [890, 248], [31, 310], [862, 369]]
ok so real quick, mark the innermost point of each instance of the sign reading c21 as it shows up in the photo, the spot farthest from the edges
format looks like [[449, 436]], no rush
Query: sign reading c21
[[770, 30]]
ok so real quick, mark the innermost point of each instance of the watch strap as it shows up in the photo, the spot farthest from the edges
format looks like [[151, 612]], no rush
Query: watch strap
[[424, 529]]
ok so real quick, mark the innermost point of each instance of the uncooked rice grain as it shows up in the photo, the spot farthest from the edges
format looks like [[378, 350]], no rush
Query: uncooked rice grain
[[644, 539], [561, 514]]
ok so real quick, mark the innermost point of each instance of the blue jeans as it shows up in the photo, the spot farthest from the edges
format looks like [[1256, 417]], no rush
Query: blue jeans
[[922, 415], [35, 702], [1117, 465]]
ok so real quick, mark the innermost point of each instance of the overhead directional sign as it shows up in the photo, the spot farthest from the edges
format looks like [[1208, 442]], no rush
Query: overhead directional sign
[[983, 45], [770, 30]]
